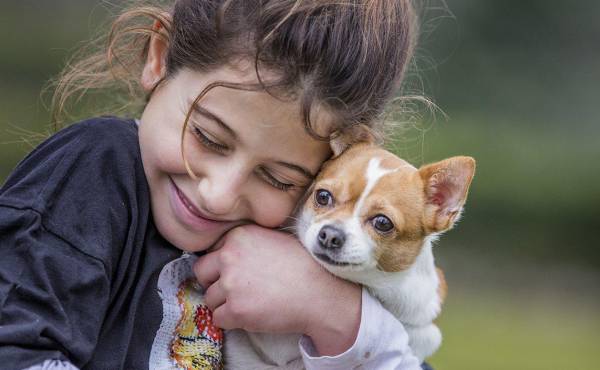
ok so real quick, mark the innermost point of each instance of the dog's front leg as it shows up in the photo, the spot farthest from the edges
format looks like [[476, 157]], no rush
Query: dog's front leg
[[423, 340]]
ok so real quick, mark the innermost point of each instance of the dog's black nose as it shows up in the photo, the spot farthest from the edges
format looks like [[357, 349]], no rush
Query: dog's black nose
[[331, 237]]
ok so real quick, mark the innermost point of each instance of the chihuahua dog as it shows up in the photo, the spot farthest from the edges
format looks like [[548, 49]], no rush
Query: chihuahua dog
[[371, 217]]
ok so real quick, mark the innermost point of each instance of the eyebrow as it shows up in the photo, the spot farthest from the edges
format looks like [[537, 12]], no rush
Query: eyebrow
[[300, 169], [206, 113], [214, 117]]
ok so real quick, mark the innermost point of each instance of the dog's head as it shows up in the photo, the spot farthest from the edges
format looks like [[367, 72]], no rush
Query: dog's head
[[370, 210]]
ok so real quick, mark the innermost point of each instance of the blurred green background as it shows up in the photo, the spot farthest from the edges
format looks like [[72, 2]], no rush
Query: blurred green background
[[519, 84]]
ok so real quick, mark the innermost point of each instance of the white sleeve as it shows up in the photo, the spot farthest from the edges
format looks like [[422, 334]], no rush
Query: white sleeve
[[381, 344]]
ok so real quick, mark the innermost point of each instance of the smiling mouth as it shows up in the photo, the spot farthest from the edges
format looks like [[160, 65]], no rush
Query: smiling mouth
[[191, 207]]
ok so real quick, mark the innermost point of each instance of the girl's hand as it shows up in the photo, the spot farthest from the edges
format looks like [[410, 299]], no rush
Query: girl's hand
[[263, 280]]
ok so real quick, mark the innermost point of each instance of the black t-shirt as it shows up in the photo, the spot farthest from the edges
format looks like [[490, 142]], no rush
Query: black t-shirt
[[80, 255]]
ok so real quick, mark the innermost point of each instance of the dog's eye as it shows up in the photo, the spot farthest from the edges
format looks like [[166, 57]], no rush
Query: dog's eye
[[323, 198], [382, 223]]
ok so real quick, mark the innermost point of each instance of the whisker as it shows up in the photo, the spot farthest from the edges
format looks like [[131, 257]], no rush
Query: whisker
[[286, 228], [293, 218]]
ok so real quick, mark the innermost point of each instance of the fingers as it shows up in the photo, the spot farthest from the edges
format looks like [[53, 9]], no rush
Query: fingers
[[215, 296], [218, 245], [207, 269], [223, 319]]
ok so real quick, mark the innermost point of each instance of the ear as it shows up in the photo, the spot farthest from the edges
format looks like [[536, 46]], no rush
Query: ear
[[342, 140], [446, 185], [155, 67]]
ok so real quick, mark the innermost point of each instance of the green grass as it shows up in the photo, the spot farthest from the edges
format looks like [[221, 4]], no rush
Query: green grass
[[490, 331]]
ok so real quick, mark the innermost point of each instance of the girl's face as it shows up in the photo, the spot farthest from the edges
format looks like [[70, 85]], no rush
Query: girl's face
[[251, 155]]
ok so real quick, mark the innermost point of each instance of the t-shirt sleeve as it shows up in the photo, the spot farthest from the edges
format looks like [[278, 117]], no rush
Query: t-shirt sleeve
[[87, 183], [69, 215], [381, 344], [52, 295]]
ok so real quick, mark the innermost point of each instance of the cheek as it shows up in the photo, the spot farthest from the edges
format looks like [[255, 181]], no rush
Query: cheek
[[164, 161], [160, 135], [162, 147], [169, 160], [272, 209]]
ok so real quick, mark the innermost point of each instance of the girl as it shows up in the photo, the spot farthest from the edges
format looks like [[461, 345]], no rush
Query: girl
[[242, 97]]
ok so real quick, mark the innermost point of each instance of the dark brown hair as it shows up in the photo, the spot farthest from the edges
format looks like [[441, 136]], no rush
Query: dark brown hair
[[349, 55]]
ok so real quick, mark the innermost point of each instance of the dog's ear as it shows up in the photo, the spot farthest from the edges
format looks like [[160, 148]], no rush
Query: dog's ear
[[446, 184], [342, 140]]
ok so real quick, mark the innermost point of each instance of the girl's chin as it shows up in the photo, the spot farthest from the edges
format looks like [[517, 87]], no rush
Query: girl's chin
[[191, 242], [182, 236]]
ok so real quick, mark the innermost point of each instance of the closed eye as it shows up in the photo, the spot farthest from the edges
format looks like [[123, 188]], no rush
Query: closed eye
[[205, 140], [269, 178]]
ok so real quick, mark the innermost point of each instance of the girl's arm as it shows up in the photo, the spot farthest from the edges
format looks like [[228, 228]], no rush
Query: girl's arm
[[264, 281], [381, 343]]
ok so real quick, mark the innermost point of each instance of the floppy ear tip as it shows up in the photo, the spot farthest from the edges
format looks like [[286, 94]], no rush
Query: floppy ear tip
[[341, 140], [338, 143]]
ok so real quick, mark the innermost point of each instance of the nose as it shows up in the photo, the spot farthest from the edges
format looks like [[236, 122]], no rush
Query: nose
[[221, 191], [331, 237]]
